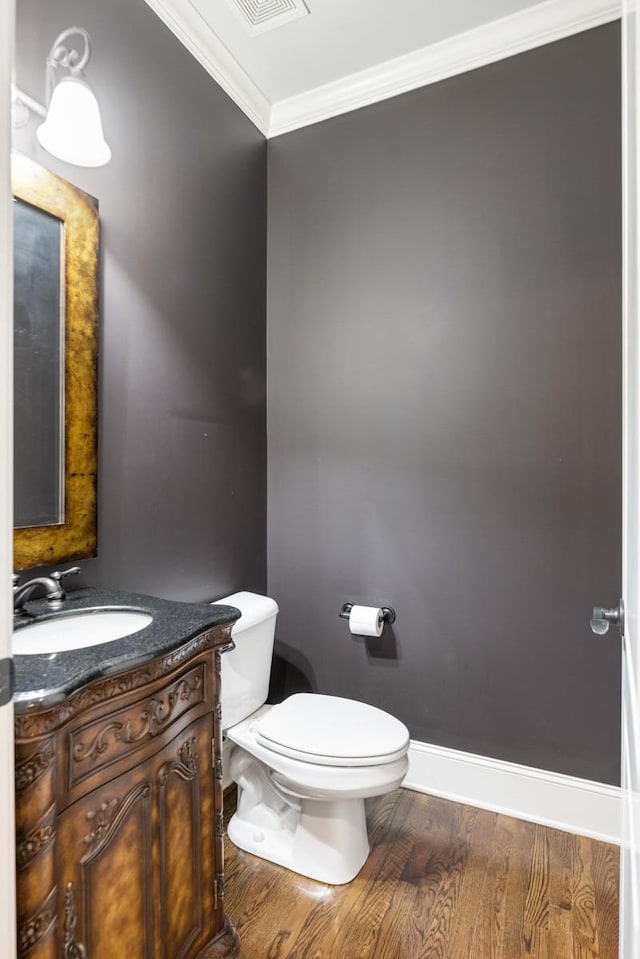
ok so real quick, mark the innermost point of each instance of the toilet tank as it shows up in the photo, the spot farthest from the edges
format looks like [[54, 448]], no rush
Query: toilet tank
[[247, 668]]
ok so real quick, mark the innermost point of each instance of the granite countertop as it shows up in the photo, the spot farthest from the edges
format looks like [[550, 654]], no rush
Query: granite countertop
[[46, 678]]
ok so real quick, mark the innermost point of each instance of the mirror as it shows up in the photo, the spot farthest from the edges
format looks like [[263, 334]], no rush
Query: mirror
[[38, 353], [56, 249]]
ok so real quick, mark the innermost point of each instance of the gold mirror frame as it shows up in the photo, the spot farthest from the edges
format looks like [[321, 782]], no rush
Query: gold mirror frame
[[76, 536]]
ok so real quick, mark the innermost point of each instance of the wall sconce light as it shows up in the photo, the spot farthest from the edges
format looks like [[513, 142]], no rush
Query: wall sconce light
[[72, 130]]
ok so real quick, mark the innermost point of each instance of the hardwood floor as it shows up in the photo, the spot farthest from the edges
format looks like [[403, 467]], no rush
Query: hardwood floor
[[443, 881]]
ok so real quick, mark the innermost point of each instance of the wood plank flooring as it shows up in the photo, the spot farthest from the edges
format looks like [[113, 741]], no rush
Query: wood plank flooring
[[443, 881]]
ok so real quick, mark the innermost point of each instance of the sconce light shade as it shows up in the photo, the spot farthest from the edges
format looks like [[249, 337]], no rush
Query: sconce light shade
[[72, 130]]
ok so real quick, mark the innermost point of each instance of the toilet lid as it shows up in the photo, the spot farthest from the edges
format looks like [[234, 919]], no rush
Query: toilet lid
[[332, 731]]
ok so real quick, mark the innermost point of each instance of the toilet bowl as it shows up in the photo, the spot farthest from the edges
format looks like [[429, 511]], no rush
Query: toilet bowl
[[305, 766]]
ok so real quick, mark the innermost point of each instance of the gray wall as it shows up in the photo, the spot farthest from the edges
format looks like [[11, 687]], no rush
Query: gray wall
[[444, 404], [182, 345], [444, 381]]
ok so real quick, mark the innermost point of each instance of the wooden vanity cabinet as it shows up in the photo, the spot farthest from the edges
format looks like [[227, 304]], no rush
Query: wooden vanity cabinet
[[119, 816]]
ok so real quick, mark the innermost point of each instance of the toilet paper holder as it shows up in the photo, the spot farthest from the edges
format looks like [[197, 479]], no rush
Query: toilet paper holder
[[388, 613]]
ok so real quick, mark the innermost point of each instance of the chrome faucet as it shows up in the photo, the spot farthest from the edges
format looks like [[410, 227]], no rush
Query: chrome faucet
[[52, 585]]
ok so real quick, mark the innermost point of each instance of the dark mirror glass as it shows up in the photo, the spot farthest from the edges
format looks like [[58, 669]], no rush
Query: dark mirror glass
[[38, 367]]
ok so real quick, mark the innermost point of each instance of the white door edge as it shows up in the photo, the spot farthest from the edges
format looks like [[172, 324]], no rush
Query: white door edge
[[7, 820], [630, 850]]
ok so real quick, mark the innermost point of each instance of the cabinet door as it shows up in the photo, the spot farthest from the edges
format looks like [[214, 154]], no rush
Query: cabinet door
[[136, 858], [105, 844], [186, 875]]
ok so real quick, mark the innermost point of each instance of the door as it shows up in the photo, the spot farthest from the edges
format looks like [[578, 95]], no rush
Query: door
[[630, 873], [7, 857]]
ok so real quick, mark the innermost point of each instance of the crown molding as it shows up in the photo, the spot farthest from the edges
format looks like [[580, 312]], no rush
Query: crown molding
[[181, 17], [533, 27], [530, 28]]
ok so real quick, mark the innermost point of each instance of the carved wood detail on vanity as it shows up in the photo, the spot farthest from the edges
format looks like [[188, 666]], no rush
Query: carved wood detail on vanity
[[37, 926], [100, 742], [188, 755], [35, 765], [29, 846], [72, 948], [118, 814]]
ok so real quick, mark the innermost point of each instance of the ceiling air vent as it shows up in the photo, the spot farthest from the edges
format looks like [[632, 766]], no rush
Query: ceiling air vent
[[261, 15]]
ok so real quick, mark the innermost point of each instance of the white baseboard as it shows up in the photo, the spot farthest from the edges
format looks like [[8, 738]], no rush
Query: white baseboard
[[563, 802]]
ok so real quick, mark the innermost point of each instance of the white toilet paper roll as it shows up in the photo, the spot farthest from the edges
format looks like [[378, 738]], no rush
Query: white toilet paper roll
[[365, 621]]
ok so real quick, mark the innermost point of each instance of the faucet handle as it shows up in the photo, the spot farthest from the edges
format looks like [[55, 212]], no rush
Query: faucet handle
[[15, 578], [59, 575], [56, 599]]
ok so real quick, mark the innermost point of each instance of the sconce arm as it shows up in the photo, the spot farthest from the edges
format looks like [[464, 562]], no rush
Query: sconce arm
[[67, 57]]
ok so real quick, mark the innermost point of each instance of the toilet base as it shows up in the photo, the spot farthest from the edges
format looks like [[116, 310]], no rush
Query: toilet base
[[325, 840], [328, 843]]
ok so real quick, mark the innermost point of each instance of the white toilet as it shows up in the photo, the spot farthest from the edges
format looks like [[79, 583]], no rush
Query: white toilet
[[305, 766]]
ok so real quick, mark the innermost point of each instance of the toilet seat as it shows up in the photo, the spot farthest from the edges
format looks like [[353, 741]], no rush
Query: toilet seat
[[332, 731]]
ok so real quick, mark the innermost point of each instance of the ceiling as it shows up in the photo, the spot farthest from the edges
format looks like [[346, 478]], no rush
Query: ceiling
[[346, 53]]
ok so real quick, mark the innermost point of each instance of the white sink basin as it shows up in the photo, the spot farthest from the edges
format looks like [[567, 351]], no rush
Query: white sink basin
[[77, 630]]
